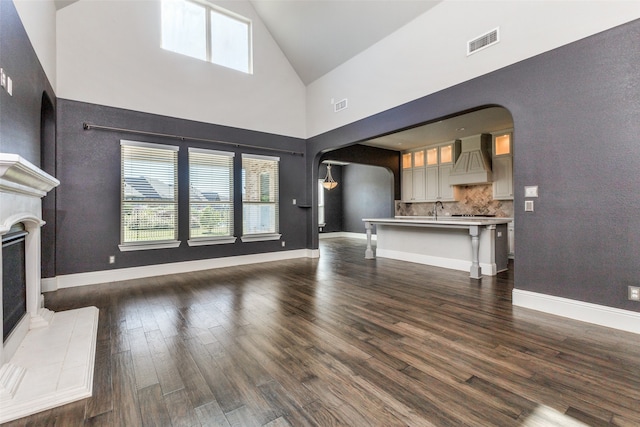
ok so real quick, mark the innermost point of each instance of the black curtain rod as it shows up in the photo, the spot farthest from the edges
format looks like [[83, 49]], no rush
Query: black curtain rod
[[88, 126]]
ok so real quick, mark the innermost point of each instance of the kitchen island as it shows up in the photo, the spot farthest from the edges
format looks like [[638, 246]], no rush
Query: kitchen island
[[477, 245]]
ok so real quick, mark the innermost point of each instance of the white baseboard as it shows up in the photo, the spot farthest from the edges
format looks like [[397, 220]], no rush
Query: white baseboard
[[454, 264], [105, 276], [578, 310], [345, 234]]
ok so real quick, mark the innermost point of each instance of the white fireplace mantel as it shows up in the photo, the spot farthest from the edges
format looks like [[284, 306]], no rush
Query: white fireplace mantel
[[18, 175], [48, 358], [22, 186]]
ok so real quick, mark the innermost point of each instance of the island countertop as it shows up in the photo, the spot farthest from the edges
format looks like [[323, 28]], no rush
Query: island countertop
[[463, 221]]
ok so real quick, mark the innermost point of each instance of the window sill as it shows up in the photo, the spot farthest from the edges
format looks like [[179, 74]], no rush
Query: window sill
[[146, 246], [204, 241], [260, 237]]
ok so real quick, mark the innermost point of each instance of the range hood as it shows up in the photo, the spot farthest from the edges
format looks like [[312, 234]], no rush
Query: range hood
[[474, 164]]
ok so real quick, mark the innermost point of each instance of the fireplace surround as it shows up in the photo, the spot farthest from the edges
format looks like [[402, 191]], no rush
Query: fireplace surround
[[47, 359]]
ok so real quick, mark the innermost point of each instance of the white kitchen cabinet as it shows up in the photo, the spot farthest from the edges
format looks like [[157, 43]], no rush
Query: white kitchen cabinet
[[502, 166], [503, 178], [433, 183], [438, 183], [425, 173], [413, 176], [445, 188]]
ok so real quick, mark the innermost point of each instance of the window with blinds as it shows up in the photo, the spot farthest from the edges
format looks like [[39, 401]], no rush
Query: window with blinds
[[260, 199], [210, 196], [149, 195]]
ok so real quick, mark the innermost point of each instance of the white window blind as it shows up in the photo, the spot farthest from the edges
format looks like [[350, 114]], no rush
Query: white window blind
[[210, 194], [260, 198], [149, 197]]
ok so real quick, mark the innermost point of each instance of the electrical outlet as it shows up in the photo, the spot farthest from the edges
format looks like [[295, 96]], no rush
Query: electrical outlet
[[295, 202], [112, 259], [283, 244], [634, 293], [528, 205]]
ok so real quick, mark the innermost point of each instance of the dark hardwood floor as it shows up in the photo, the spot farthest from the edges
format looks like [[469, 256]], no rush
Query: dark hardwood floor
[[343, 341]]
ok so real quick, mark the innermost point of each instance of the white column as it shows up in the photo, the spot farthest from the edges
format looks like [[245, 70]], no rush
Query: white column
[[475, 252], [368, 253]]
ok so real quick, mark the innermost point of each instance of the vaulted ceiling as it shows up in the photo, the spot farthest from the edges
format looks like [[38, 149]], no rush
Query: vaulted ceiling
[[318, 35]]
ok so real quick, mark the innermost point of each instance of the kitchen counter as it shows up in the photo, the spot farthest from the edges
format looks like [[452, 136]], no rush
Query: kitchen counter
[[475, 244]]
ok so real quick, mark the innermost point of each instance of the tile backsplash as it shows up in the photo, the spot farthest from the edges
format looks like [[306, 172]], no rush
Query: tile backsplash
[[472, 199]]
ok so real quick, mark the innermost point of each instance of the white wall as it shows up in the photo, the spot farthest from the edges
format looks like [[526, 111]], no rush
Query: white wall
[[109, 53], [429, 54], [39, 20]]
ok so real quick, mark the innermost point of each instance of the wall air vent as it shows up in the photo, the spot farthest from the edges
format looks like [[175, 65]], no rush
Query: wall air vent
[[484, 41], [340, 105]]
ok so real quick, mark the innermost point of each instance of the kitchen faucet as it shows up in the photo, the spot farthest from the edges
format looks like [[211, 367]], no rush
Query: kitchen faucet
[[435, 208]]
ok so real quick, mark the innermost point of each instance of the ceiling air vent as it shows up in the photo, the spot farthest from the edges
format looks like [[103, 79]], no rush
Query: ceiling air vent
[[340, 105], [484, 41]]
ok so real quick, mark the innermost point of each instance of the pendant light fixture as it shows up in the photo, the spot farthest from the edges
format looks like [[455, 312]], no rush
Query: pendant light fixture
[[329, 183]]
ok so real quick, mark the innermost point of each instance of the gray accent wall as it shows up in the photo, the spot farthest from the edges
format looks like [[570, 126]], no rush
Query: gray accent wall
[[20, 113], [27, 119], [88, 164], [363, 191], [368, 193], [576, 115]]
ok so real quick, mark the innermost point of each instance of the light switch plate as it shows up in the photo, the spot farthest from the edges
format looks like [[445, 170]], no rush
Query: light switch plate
[[528, 205], [531, 191]]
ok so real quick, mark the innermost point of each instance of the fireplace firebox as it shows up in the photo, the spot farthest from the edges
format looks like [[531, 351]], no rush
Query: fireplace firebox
[[14, 281]]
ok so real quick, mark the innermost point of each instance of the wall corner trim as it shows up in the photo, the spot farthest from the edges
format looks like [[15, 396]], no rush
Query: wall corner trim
[[106, 276], [602, 315]]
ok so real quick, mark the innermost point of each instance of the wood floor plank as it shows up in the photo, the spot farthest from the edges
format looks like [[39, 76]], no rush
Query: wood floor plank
[[211, 415], [341, 340], [165, 365], [181, 409], [242, 417], [101, 400], [152, 407], [191, 376], [145, 371], [102, 420], [126, 407], [278, 422]]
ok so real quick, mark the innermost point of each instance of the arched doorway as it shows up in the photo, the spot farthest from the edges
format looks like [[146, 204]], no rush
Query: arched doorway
[[493, 197], [48, 164]]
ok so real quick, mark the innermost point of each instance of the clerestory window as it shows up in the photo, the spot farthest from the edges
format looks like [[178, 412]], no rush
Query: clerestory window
[[208, 33]]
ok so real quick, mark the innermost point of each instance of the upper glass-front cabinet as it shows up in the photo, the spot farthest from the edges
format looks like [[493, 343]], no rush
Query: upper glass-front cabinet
[[446, 153], [502, 144], [407, 161], [414, 159], [432, 156]]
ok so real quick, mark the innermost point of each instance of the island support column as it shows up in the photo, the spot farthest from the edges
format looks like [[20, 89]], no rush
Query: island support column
[[368, 253], [475, 251]]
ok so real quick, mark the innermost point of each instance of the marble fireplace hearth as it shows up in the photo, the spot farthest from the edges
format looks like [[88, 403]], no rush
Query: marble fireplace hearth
[[48, 358]]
